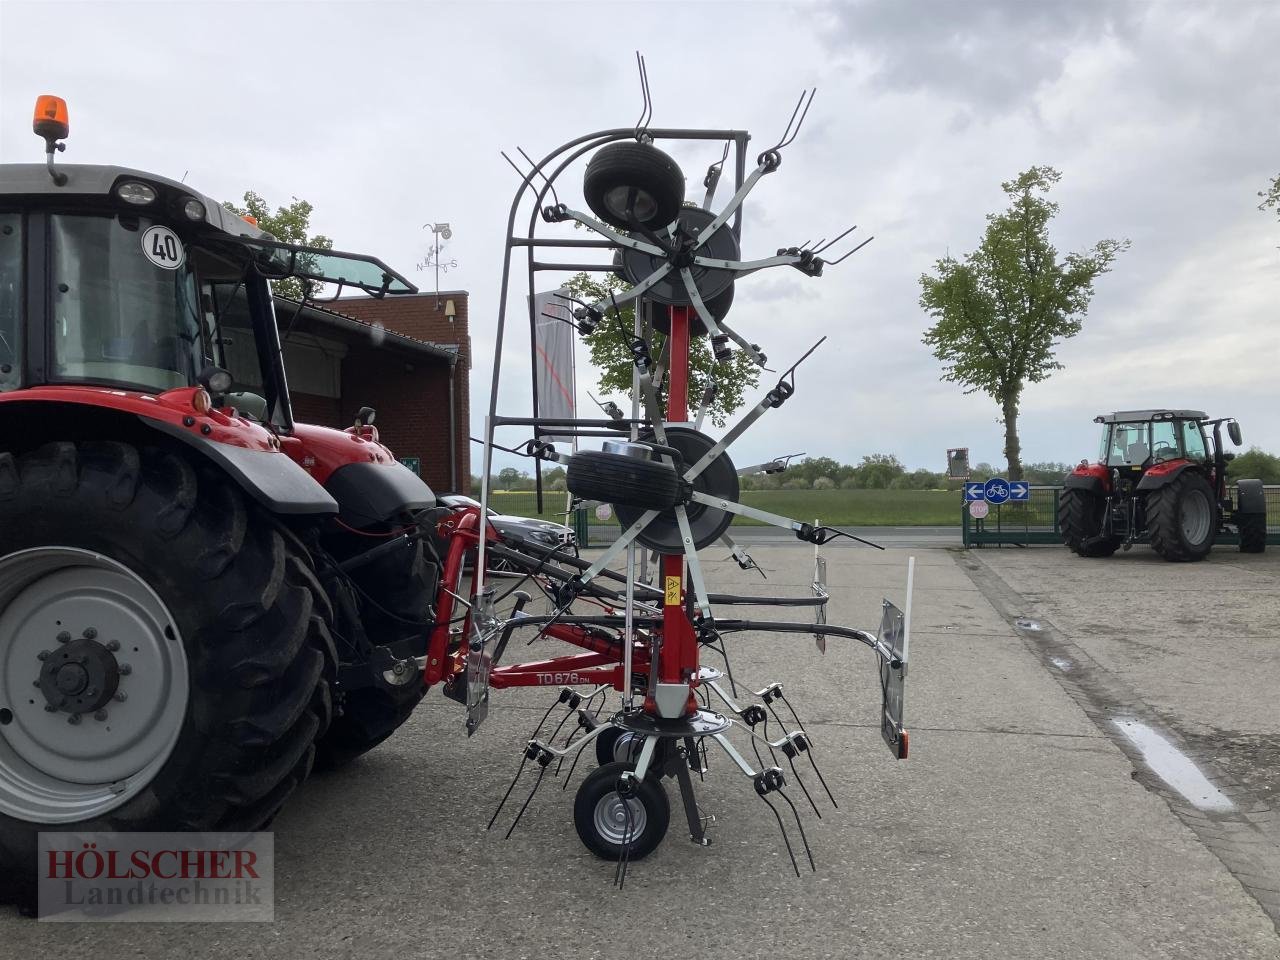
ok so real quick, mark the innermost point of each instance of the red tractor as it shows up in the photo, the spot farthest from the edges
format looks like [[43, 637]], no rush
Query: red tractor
[[199, 597], [1159, 479]]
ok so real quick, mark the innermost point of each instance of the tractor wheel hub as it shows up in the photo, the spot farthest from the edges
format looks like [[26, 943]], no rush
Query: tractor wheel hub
[[79, 677]]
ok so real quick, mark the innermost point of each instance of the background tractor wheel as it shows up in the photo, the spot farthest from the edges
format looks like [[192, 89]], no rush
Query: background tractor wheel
[[1253, 532], [604, 819], [1080, 518], [618, 479], [637, 179], [366, 718], [1182, 518], [165, 653]]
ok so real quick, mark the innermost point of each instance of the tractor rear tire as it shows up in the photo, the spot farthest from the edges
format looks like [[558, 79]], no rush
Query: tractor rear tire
[[1253, 532], [618, 479], [157, 573], [1182, 518], [1080, 518], [366, 718]]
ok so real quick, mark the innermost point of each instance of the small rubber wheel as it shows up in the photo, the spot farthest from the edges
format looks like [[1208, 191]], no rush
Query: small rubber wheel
[[1253, 532], [632, 183], [1182, 518], [618, 479], [606, 820], [616, 745], [1080, 518]]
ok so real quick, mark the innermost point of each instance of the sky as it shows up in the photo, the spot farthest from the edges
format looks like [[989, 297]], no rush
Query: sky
[[1161, 117]]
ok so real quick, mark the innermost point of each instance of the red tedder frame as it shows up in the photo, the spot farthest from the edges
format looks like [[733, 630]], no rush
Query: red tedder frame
[[603, 661]]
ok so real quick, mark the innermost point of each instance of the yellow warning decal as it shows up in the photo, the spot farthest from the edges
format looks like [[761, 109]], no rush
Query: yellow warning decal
[[673, 592]]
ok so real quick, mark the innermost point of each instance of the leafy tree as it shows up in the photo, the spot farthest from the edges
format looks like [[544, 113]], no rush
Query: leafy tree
[[508, 477], [1255, 464], [288, 225], [1271, 196], [1000, 313], [611, 355], [878, 470], [824, 483]]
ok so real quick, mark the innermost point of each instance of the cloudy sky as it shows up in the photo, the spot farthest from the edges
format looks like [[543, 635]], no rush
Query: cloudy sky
[[1160, 115]]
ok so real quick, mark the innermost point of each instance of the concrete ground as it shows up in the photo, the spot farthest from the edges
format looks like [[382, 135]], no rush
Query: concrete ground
[[1027, 822]]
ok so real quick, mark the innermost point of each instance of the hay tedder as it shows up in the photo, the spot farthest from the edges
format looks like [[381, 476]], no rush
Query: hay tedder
[[201, 599]]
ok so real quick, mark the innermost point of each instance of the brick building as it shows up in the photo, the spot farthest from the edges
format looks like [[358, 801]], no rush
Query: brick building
[[408, 357]]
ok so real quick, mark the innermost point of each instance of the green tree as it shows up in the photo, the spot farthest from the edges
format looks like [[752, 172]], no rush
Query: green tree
[[1271, 196], [1000, 313], [288, 225], [1254, 464], [508, 477], [878, 470], [611, 355]]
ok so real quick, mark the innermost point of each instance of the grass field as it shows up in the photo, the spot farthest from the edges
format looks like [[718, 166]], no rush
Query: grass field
[[897, 508]]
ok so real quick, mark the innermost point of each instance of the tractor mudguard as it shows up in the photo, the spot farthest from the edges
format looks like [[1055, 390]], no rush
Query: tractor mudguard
[[369, 493], [268, 476], [1162, 474], [1085, 481], [1250, 497]]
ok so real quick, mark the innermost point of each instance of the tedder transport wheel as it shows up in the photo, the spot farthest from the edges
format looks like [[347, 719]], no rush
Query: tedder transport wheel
[[619, 478], [633, 181], [606, 820], [1080, 518], [1253, 532], [1182, 517], [164, 651]]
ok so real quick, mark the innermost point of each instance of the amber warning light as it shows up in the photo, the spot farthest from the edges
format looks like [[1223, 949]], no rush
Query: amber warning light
[[50, 118]]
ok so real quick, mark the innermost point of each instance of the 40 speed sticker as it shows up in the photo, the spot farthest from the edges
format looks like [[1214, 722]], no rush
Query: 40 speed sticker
[[162, 247]]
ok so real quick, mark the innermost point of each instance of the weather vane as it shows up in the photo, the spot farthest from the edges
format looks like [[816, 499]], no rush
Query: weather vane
[[440, 231]]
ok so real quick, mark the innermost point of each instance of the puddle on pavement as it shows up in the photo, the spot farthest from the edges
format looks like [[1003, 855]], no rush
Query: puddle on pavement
[[1026, 623], [1174, 767], [1063, 665]]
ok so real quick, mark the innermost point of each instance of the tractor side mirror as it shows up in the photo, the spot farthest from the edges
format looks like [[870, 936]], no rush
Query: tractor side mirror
[[1233, 431], [248, 404]]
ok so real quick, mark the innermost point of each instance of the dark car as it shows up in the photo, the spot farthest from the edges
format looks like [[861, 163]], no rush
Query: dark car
[[541, 532]]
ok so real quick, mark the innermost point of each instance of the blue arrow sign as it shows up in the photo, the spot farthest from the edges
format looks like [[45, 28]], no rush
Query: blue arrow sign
[[1019, 490], [974, 491], [996, 490]]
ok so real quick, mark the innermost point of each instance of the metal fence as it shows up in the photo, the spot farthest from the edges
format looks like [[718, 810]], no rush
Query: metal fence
[[1036, 521]]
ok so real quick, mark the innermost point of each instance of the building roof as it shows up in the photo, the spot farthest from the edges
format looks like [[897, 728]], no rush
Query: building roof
[[312, 317], [1130, 416]]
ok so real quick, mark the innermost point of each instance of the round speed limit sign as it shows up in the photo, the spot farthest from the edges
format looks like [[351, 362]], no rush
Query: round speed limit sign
[[162, 247], [979, 509]]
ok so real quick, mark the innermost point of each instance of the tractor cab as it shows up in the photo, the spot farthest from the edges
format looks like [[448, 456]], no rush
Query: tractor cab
[[1135, 439], [117, 278]]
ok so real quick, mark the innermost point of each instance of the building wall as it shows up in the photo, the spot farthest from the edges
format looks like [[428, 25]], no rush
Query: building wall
[[412, 395], [322, 411]]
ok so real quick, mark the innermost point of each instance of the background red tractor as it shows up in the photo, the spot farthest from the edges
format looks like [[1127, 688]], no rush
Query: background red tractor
[[199, 597], [1158, 478]]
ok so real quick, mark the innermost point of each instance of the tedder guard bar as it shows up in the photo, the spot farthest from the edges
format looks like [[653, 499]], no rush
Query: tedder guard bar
[[278, 261]]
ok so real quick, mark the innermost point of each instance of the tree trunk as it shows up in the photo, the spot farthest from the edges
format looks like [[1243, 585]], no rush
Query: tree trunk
[[1012, 449]]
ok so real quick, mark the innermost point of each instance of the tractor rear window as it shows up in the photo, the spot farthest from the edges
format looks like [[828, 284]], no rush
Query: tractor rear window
[[11, 307], [125, 308]]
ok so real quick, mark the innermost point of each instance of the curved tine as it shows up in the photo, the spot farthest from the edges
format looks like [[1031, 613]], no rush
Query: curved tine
[[554, 196], [823, 245], [646, 112], [832, 263], [793, 125], [527, 178]]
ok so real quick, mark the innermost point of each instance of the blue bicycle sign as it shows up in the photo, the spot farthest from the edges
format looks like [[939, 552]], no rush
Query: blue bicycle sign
[[996, 490]]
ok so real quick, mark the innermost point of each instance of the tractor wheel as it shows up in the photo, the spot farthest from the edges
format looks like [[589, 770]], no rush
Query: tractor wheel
[[1080, 518], [165, 654], [606, 820], [626, 181], [1182, 518], [616, 478], [365, 719], [1253, 532]]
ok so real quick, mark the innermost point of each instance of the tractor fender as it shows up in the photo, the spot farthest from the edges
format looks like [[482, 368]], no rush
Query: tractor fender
[[243, 450], [1085, 481], [369, 493], [1250, 497], [1163, 474], [268, 476]]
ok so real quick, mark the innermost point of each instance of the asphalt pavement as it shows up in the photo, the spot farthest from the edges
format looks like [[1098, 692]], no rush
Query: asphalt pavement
[[1060, 712]]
